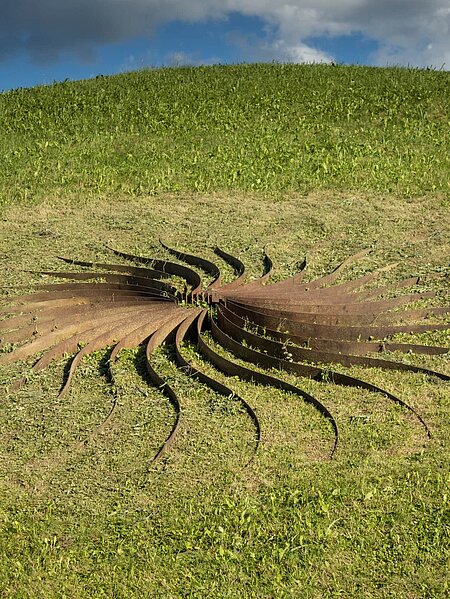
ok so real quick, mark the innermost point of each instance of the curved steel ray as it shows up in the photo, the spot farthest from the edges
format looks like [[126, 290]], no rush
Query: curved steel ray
[[155, 341], [191, 277], [191, 370], [276, 349], [247, 374], [356, 348], [206, 265]]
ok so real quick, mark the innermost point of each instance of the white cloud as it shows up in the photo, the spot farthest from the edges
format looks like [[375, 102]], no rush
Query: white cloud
[[407, 31], [279, 50], [304, 53], [435, 55], [184, 59], [180, 59], [415, 32]]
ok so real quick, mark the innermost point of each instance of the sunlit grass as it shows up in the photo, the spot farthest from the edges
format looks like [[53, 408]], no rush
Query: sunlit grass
[[259, 127], [227, 156]]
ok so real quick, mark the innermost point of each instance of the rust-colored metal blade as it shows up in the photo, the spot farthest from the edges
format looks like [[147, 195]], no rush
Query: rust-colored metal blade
[[346, 314], [155, 341], [71, 327], [206, 265], [254, 287], [71, 301], [137, 271], [70, 319], [146, 283], [326, 279], [191, 277], [121, 328], [347, 333], [338, 346], [216, 386], [288, 287], [277, 349], [338, 305], [141, 333], [135, 337], [98, 287], [77, 294], [232, 369], [268, 361], [238, 266], [44, 320]]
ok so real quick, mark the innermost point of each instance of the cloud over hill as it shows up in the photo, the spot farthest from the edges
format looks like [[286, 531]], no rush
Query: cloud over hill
[[406, 31]]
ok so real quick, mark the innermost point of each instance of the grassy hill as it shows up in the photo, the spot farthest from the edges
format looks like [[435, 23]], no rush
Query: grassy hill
[[318, 160], [258, 127]]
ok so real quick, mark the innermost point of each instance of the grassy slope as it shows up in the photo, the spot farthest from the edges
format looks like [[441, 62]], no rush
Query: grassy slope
[[101, 521], [266, 127]]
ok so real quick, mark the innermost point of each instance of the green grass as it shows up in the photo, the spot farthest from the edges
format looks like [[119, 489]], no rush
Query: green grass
[[100, 520], [255, 127]]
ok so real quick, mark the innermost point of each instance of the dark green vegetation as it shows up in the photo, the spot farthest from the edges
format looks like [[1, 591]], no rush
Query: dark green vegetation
[[266, 127], [98, 519]]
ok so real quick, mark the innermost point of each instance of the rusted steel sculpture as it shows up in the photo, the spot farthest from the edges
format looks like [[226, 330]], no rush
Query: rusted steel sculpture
[[286, 325]]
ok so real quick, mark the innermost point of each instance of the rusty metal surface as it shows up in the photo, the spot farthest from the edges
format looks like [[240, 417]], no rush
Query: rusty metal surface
[[190, 370], [233, 369], [293, 326]]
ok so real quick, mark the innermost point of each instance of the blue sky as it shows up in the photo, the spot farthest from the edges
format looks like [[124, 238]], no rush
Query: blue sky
[[53, 40]]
